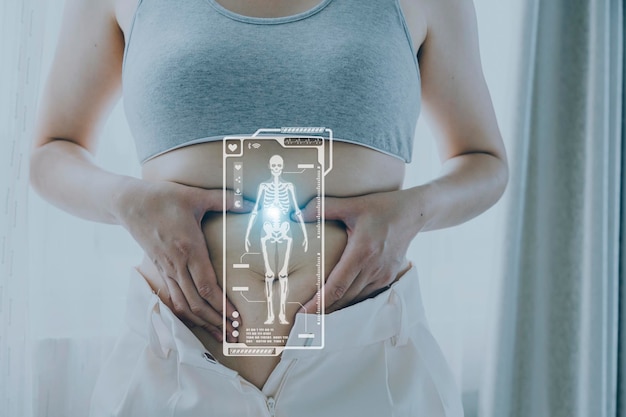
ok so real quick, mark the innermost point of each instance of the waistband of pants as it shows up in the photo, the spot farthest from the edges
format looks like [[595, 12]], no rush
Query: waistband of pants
[[149, 317], [389, 315]]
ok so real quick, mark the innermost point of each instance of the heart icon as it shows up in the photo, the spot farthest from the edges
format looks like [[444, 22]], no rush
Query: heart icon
[[232, 147], [237, 166]]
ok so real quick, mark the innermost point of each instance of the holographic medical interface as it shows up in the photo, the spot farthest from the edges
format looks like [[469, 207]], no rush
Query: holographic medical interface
[[280, 171]]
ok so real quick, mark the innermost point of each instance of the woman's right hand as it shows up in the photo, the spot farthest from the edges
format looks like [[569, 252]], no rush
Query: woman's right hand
[[165, 219]]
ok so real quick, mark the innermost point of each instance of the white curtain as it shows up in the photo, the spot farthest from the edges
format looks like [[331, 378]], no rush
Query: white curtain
[[558, 336], [63, 280], [21, 46]]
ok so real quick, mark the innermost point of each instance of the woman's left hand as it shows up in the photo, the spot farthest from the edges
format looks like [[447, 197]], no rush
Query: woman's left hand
[[380, 227]]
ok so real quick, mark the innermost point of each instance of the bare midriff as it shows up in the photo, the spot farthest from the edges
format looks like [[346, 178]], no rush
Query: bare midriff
[[357, 170]]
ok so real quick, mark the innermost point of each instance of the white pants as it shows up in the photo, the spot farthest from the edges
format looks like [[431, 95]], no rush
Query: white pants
[[380, 360]]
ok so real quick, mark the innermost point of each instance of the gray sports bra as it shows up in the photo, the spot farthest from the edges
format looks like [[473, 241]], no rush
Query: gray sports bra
[[195, 72]]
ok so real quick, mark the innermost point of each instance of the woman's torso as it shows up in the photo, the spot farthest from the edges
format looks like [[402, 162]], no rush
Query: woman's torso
[[357, 170]]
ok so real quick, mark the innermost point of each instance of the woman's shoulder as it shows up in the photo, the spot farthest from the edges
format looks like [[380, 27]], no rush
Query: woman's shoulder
[[424, 17]]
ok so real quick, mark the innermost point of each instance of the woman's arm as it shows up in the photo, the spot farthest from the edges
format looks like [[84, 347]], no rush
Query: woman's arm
[[474, 175], [83, 85], [459, 108]]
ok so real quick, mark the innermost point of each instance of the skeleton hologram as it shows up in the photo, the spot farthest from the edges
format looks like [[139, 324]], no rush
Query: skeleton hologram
[[275, 200], [272, 261]]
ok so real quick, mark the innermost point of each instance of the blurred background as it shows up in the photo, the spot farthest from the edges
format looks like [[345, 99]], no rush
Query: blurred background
[[524, 300]]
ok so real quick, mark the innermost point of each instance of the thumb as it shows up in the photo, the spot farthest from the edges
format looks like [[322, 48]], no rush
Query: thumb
[[334, 208], [218, 200], [310, 211]]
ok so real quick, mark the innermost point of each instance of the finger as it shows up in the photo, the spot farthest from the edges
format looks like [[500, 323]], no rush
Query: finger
[[371, 290], [182, 310], [343, 275], [205, 280], [334, 209], [311, 306], [218, 200], [381, 280], [367, 284], [198, 306], [339, 281], [202, 309], [355, 293]]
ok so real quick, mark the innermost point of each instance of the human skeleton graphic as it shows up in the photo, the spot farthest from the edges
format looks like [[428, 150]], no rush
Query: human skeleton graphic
[[275, 198]]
